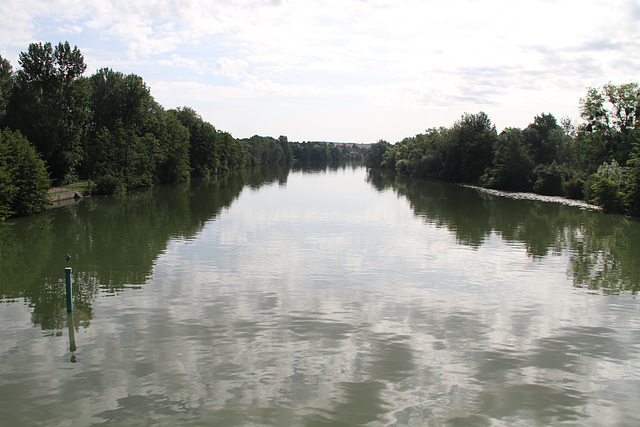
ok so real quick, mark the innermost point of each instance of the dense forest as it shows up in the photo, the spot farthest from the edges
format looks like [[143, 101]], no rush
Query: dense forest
[[58, 126], [598, 161]]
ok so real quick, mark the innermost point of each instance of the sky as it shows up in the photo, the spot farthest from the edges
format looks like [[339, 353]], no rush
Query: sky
[[346, 70]]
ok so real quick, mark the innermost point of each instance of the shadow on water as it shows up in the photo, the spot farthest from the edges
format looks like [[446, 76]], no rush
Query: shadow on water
[[604, 249], [113, 241]]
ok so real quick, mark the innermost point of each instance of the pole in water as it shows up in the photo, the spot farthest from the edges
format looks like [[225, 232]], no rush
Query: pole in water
[[67, 276], [72, 337]]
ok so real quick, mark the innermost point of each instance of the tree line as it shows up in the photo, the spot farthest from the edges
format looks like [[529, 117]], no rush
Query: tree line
[[321, 151], [598, 161], [58, 126]]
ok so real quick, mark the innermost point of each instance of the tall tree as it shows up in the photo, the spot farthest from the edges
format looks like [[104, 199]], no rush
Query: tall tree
[[512, 167], [6, 85], [375, 155], [203, 156], [124, 143], [48, 105], [613, 114], [469, 148], [545, 139], [286, 148]]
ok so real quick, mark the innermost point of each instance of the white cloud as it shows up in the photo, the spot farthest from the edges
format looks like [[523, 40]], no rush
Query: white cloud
[[500, 56], [236, 69], [177, 61]]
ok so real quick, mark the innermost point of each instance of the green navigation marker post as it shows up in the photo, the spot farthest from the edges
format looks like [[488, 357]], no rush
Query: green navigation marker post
[[67, 276]]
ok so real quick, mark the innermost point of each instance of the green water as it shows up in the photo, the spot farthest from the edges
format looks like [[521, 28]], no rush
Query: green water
[[326, 296]]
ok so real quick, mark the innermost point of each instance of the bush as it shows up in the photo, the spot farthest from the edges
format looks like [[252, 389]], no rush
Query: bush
[[605, 193], [402, 166], [549, 180], [108, 184], [24, 180], [573, 189], [631, 187]]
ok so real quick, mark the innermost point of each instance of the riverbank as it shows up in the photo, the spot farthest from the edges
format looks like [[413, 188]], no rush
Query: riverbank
[[537, 197], [68, 194]]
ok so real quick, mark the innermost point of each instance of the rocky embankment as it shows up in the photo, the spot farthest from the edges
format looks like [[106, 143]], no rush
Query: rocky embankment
[[537, 197]]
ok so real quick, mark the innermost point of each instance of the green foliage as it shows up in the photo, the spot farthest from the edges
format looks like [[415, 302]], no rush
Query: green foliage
[[591, 151], [108, 184], [460, 154], [265, 150], [605, 193], [108, 128], [573, 189], [286, 148], [512, 166], [604, 188], [613, 113], [326, 152], [210, 151], [474, 138], [6, 84], [549, 180], [545, 157], [612, 172], [173, 150], [374, 157], [631, 184], [24, 180], [543, 139], [48, 104]]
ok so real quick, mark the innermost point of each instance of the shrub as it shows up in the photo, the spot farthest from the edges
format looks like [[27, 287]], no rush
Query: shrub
[[24, 180], [549, 180], [109, 184], [605, 193], [573, 189]]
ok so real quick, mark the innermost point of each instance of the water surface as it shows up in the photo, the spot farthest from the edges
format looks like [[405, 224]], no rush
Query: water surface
[[327, 296]]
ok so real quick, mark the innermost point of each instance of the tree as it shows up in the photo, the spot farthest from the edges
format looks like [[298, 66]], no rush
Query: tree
[[631, 184], [116, 97], [512, 166], [129, 136], [6, 85], [211, 151], [173, 154], [24, 180], [545, 139], [49, 105], [469, 148], [549, 179], [375, 155], [604, 187], [613, 113], [286, 148]]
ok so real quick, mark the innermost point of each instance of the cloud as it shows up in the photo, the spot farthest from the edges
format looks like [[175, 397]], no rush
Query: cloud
[[236, 69], [370, 54], [177, 61]]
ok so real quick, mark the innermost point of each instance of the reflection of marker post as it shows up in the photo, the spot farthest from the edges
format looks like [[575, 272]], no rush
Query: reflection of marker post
[[67, 274], [72, 334]]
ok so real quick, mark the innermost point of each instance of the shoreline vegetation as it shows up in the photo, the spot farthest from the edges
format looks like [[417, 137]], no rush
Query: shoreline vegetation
[[59, 127], [597, 162]]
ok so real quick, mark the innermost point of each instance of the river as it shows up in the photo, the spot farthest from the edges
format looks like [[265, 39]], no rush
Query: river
[[320, 296]]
